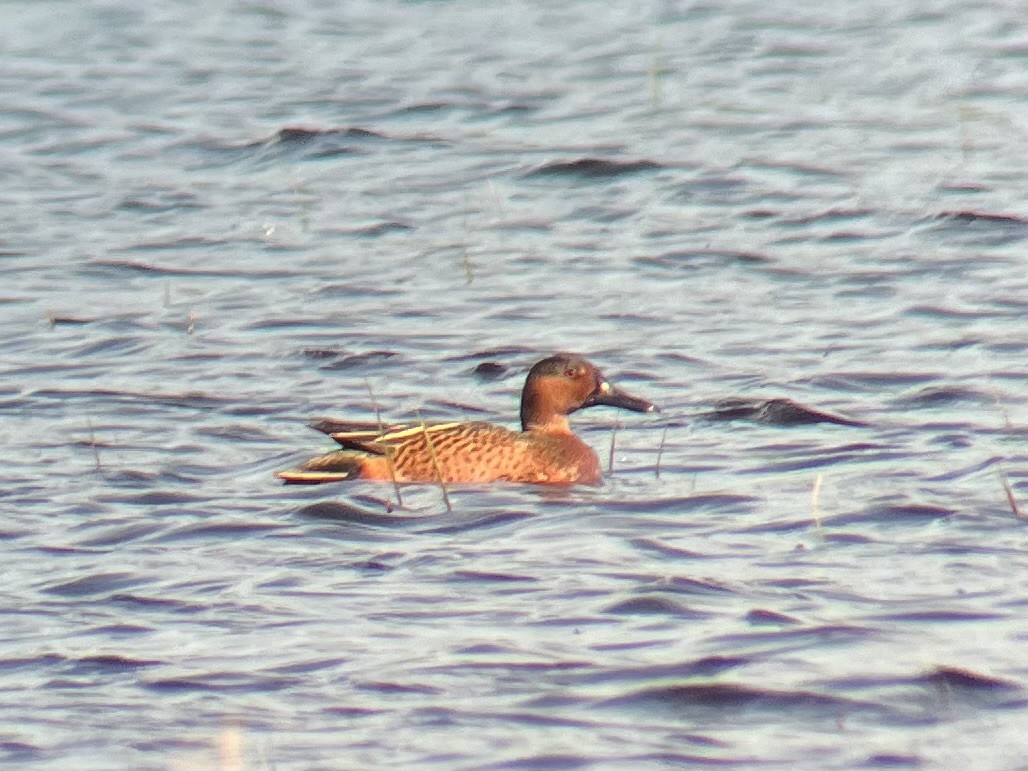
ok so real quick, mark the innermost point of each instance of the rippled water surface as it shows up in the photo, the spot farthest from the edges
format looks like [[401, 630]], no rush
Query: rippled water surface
[[220, 222]]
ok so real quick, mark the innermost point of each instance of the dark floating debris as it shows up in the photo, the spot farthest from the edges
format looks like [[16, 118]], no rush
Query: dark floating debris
[[593, 167], [775, 412], [302, 135], [490, 370]]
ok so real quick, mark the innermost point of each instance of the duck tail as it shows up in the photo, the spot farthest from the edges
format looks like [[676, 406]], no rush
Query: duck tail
[[330, 467]]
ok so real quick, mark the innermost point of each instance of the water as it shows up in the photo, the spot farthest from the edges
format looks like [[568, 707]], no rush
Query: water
[[219, 223]]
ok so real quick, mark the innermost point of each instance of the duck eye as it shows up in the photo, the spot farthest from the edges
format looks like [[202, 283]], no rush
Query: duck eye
[[572, 372]]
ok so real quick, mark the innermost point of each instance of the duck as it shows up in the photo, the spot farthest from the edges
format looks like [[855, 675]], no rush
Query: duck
[[545, 451]]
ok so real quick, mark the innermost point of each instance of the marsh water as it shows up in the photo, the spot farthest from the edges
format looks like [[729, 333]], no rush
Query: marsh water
[[221, 222]]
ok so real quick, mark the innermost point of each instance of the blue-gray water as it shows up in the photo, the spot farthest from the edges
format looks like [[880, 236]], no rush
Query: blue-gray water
[[745, 200]]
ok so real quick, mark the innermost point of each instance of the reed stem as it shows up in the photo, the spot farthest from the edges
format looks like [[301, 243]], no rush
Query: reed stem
[[435, 465], [1011, 499], [660, 453], [388, 454]]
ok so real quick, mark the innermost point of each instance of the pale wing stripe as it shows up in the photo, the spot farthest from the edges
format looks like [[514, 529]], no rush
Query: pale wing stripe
[[394, 433]]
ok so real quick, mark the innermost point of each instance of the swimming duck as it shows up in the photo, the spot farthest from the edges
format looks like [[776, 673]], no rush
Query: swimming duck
[[545, 451]]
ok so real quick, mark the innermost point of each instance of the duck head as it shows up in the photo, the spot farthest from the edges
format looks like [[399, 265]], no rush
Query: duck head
[[565, 383]]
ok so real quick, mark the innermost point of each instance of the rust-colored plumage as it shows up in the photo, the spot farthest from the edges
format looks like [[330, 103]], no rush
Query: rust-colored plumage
[[545, 451]]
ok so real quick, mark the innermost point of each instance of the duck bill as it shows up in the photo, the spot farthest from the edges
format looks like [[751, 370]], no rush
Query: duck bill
[[615, 397]]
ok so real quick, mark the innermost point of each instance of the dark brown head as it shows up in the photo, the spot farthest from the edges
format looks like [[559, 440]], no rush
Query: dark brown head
[[564, 383]]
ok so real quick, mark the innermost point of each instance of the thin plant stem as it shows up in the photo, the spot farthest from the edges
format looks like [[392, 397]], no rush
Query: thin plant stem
[[815, 500], [1011, 499], [388, 453], [613, 443], [660, 452], [435, 465]]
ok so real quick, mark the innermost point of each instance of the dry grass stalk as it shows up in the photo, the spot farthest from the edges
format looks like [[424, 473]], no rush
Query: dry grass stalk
[[660, 453], [1011, 499], [613, 444], [815, 500], [388, 454], [435, 465]]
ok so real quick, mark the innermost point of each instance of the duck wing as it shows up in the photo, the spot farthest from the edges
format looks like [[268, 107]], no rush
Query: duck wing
[[374, 437]]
